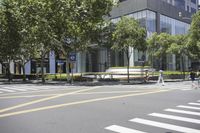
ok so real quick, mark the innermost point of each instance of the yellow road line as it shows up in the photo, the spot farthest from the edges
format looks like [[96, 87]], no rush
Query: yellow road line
[[43, 99], [76, 103], [85, 93]]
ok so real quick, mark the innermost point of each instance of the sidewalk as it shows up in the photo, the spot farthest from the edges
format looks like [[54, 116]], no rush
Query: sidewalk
[[88, 83]]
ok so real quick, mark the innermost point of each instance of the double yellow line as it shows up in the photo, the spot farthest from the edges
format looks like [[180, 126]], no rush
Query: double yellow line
[[66, 104]]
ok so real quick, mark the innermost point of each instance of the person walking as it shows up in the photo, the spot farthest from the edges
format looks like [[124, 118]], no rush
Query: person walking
[[160, 78], [146, 78], [192, 77], [198, 76]]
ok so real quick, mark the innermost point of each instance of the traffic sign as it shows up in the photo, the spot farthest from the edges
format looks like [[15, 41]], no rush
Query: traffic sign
[[72, 57]]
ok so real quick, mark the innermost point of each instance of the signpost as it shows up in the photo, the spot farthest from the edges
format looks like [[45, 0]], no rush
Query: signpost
[[72, 58]]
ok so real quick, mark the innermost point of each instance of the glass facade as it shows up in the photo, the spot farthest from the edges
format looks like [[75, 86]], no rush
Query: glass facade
[[180, 4], [147, 19], [174, 27], [187, 5]]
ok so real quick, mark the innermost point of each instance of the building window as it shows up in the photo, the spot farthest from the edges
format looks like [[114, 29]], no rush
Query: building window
[[172, 26], [193, 10], [194, 1], [180, 4]]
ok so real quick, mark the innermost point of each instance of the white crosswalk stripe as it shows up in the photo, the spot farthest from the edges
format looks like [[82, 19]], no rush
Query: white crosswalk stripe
[[13, 89], [189, 107], [120, 129], [172, 117], [7, 90], [183, 112], [165, 125], [17, 89], [25, 87], [198, 104]]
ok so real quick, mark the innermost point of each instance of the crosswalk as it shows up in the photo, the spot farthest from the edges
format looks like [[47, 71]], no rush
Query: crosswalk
[[25, 88], [182, 115]]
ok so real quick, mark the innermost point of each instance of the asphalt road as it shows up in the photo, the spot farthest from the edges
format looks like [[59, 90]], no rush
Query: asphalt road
[[172, 108]]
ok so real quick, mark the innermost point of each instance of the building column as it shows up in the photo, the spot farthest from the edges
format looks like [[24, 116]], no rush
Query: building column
[[116, 58], [52, 63], [81, 62], [103, 60], [132, 58], [12, 67], [28, 68], [158, 22], [173, 62]]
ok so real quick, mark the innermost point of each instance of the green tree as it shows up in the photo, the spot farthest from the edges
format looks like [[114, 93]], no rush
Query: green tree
[[179, 48], [27, 48], [158, 44], [9, 34], [38, 15], [76, 22], [129, 33], [194, 37]]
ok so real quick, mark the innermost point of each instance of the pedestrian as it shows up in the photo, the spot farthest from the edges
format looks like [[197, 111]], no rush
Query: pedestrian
[[192, 77], [160, 78], [146, 79]]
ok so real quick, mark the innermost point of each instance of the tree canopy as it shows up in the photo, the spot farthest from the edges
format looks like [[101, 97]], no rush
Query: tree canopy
[[194, 37], [129, 34]]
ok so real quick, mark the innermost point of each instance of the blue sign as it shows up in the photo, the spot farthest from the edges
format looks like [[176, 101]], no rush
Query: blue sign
[[72, 57]]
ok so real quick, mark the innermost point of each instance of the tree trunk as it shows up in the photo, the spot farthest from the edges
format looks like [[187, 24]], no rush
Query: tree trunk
[[128, 66], [109, 58], [24, 75], [67, 69], [42, 68], [8, 72], [161, 63], [183, 66]]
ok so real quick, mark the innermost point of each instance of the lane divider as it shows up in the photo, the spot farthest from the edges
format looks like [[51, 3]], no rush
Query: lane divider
[[78, 102], [44, 99], [53, 94]]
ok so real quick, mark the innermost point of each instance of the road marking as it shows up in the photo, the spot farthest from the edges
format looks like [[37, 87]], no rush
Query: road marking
[[165, 126], [28, 96], [120, 129], [183, 112], [44, 95], [188, 107], [107, 92], [44, 99], [18, 89], [17, 93], [78, 102], [198, 104], [176, 118], [6, 90], [186, 89]]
